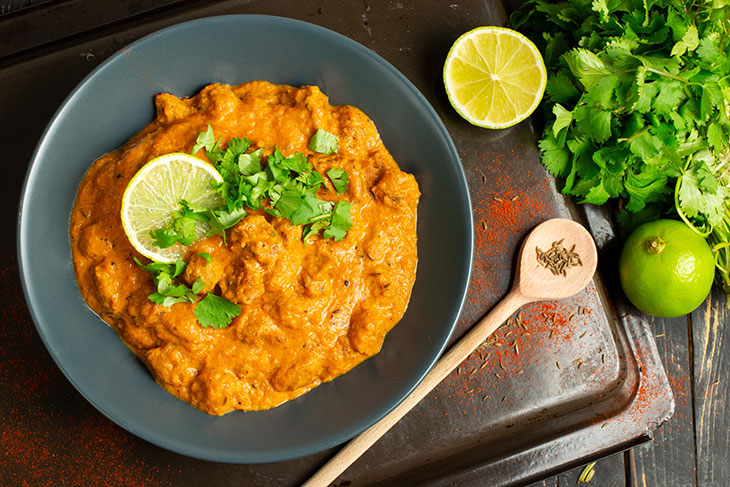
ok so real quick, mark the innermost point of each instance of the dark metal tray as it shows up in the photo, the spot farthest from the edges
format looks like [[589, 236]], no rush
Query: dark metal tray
[[559, 384]]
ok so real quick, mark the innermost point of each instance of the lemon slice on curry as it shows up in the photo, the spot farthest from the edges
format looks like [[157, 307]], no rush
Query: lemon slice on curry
[[494, 77], [153, 196]]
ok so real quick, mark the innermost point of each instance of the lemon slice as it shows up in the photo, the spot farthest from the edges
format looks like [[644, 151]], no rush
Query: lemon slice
[[154, 194], [494, 77]]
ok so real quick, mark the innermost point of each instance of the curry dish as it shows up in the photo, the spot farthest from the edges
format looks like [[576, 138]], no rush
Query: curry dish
[[309, 312]]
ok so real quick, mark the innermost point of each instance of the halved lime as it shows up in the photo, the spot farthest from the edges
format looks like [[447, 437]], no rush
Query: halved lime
[[154, 194], [494, 77]]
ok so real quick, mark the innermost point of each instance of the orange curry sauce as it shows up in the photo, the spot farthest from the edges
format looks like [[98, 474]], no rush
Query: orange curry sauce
[[309, 313]]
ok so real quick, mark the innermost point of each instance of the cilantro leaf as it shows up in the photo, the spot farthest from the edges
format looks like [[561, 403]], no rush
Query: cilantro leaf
[[156, 267], [560, 87], [207, 257], [167, 292], [314, 229], [165, 237], [310, 209], [250, 163], [324, 142], [205, 140], [339, 178], [690, 41], [198, 286], [215, 312], [341, 221], [238, 146], [555, 158], [586, 66]]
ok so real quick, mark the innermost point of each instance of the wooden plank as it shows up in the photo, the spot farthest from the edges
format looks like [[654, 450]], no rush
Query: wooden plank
[[670, 458], [609, 472], [711, 344]]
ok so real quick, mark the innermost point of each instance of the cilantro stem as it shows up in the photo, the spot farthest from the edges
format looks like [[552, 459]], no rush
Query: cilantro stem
[[637, 134], [678, 207], [672, 76]]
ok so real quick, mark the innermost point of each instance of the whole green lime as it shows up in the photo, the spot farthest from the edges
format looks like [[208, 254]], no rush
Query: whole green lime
[[666, 269]]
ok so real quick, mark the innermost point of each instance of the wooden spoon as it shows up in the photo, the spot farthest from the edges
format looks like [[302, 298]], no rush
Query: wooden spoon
[[534, 281]]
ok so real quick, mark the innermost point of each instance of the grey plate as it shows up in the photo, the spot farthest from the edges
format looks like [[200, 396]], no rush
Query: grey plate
[[113, 103]]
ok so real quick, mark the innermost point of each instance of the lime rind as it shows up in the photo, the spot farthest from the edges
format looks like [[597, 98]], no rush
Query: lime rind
[[481, 83], [154, 194]]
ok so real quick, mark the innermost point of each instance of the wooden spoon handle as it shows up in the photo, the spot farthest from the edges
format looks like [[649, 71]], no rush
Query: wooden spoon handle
[[455, 356]]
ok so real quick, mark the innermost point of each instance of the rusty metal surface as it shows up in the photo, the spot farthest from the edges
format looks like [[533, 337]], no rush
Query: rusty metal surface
[[566, 382]]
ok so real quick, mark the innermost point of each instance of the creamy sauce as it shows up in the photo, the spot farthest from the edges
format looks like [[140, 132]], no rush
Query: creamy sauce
[[309, 313]]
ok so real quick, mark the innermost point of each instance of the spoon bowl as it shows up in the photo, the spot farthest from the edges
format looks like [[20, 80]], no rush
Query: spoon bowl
[[570, 243]]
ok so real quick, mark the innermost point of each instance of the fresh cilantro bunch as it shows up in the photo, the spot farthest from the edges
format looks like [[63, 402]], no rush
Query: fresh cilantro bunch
[[637, 107]]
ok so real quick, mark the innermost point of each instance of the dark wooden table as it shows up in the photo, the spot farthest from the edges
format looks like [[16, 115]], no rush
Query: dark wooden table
[[690, 449]]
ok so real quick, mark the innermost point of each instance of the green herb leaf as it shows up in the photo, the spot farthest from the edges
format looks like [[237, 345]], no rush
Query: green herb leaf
[[167, 293], [324, 142], [206, 140], [339, 178], [215, 312], [250, 163], [314, 229], [198, 286], [310, 209], [341, 221]]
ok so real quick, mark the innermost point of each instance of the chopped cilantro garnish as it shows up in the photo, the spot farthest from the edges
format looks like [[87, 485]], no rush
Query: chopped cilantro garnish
[[324, 142], [335, 223], [206, 256], [215, 311], [285, 187]]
